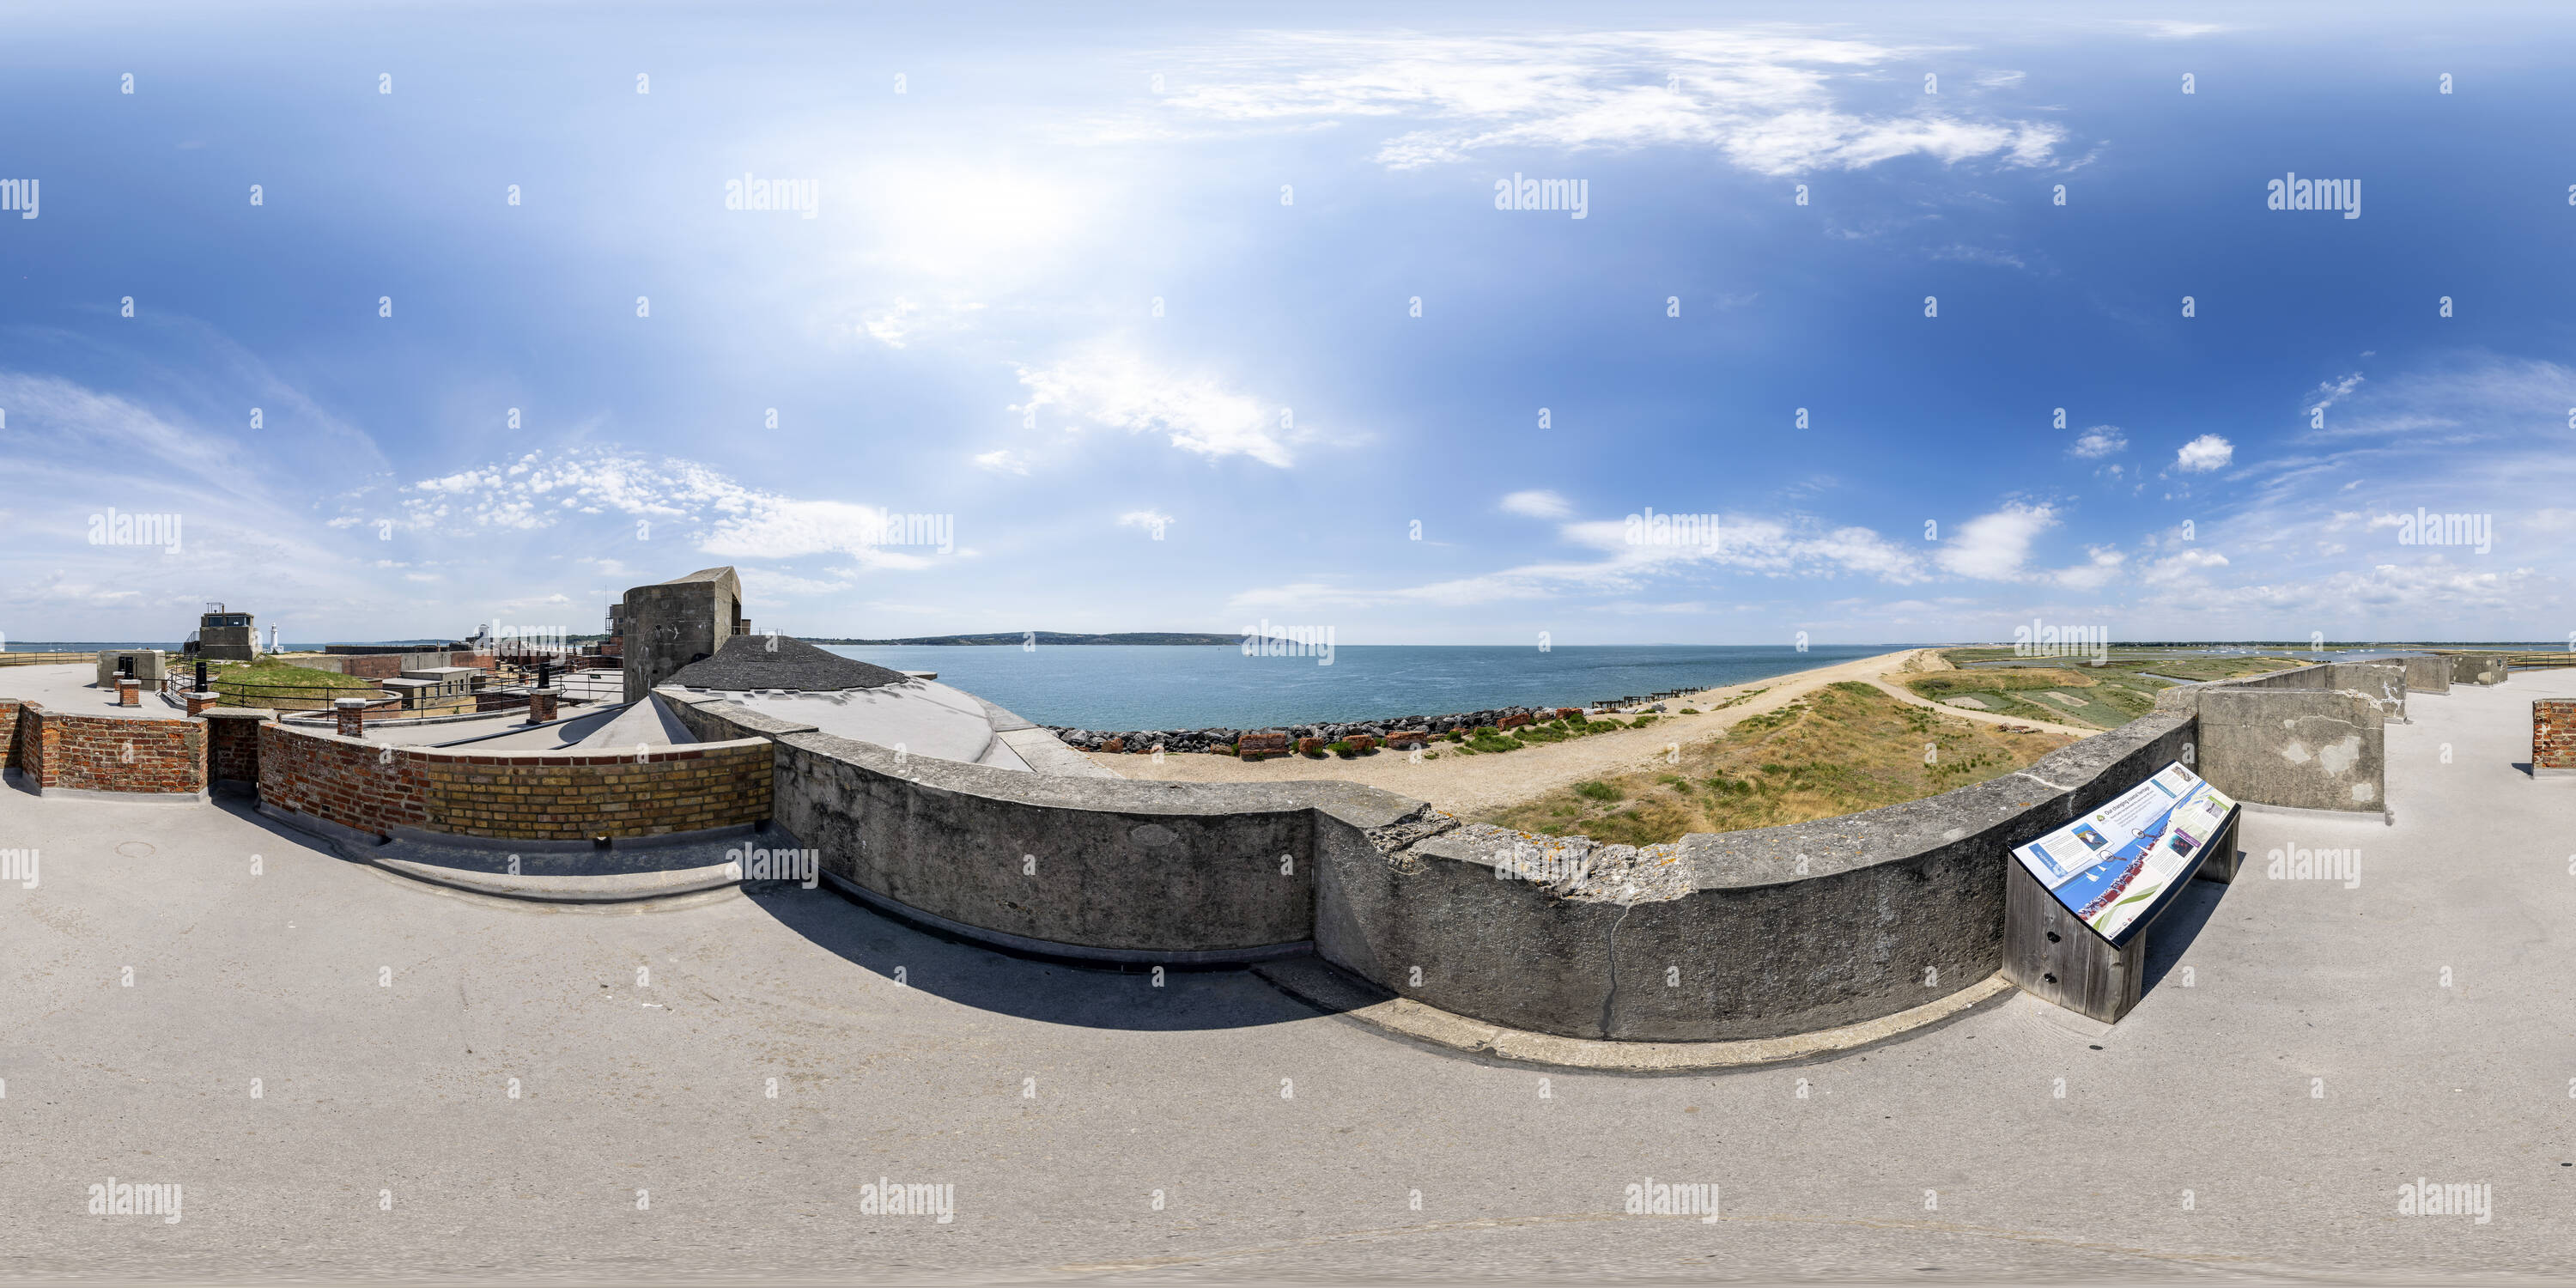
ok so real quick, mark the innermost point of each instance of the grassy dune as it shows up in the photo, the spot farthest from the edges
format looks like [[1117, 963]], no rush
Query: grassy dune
[[1844, 748]]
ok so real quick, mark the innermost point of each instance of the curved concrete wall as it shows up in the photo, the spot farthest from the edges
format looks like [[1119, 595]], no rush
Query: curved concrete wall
[[1100, 868], [1716, 937]]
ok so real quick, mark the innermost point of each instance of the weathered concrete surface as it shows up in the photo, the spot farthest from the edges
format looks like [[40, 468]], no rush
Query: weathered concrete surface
[[2479, 668], [1099, 863], [2307, 748], [2427, 674], [1739, 936], [674, 623], [2313, 1062]]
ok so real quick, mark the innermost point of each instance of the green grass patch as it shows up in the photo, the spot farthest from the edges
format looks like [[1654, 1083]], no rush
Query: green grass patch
[[1845, 748]]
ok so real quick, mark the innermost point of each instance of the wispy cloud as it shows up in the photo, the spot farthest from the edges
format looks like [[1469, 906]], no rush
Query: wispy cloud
[[2098, 442], [1762, 98], [1537, 503], [1107, 385]]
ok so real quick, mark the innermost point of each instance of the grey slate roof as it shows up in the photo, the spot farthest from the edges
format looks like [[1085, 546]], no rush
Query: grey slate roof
[[747, 662]]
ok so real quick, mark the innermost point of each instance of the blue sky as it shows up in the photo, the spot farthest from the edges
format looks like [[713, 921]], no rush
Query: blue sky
[[966, 327]]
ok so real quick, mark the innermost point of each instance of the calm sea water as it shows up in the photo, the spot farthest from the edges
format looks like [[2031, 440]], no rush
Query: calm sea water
[[1120, 687]]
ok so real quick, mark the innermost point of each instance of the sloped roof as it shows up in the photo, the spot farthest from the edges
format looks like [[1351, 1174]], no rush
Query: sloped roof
[[722, 573], [748, 662]]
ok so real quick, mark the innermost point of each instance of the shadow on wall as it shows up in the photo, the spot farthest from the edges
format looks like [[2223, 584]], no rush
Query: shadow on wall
[[1092, 998]]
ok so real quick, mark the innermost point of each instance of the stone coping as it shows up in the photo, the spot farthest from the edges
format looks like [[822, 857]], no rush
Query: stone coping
[[1366, 807], [694, 751]]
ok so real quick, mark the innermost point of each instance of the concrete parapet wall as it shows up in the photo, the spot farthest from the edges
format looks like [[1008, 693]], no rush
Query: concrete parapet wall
[[1717, 937], [2478, 668], [2426, 674], [513, 795], [1744, 935], [2312, 748], [1099, 866], [2312, 738]]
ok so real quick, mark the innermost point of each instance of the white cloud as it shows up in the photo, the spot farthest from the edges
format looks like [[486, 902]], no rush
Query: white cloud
[[1105, 385], [2102, 563], [2205, 453], [540, 491], [1004, 461], [2098, 442], [1144, 519], [1993, 547], [1538, 503], [777, 527], [1761, 98], [2000, 79]]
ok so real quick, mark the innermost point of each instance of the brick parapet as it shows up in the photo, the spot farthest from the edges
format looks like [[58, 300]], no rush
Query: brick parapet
[[59, 750], [2553, 733], [515, 795]]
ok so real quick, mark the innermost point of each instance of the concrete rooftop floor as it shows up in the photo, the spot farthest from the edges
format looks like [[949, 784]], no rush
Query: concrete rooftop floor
[[72, 689], [661, 1086]]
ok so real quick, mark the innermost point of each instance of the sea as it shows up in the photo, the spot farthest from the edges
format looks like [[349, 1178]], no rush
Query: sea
[[1119, 687]]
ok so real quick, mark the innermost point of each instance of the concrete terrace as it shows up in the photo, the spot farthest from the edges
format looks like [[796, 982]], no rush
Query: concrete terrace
[[2298, 1056], [73, 690]]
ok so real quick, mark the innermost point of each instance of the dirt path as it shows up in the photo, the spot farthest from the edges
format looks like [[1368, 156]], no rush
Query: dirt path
[[1903, 694], [1476, 784]]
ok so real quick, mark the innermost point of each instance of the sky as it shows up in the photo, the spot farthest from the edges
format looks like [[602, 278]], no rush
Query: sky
[[1190, 317]]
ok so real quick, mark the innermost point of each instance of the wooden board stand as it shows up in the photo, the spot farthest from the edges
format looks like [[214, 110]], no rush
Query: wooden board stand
[[2058, 959]]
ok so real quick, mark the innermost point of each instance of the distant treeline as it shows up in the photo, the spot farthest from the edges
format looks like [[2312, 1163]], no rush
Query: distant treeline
[[1056, 637]]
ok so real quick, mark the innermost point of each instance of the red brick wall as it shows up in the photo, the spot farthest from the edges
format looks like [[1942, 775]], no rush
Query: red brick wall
[[9, 733], [232, 749], [2553, 733], [519, 795], [373, 666], [102, 753]]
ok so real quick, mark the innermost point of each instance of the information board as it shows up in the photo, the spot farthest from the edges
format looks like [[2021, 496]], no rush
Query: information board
[[2110, 867]]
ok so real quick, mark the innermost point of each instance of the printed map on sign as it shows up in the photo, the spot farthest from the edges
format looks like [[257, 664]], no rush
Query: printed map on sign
[[2109, 866]]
